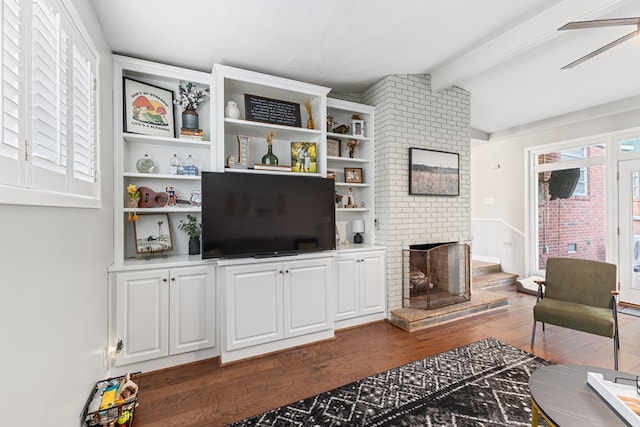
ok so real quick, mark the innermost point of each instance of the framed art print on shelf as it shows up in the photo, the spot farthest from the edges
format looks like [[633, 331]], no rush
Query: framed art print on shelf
[[333, 147], [152, 233], [434, 173], [148, 109], [353, 175]]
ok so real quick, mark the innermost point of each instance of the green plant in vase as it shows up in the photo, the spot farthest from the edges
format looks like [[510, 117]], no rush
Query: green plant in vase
[[193, 228]]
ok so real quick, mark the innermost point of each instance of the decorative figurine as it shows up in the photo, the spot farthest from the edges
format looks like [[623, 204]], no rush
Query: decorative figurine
[[330, 122], [339, 198], [232, 111], [350, 201], [172, 199]]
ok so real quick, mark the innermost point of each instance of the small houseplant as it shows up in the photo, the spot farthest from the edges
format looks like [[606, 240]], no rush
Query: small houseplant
[[194, 229]]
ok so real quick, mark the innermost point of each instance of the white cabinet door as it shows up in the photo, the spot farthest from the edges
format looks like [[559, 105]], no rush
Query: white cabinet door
[[192, 308], [347, 289], [253, 299], [142, 315], [372, 279], [307, 285]]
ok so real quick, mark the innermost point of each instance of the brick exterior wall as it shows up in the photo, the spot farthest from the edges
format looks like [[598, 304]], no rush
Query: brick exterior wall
[[578, 220], [408, 115]]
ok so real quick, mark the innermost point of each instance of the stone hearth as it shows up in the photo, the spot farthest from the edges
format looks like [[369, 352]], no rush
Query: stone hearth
[[411, 319]]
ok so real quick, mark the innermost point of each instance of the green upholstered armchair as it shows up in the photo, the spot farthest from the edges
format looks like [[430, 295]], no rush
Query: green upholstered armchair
[[579, 294]]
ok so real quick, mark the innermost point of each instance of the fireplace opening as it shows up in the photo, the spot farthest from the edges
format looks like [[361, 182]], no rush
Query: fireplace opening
[[436, 275]]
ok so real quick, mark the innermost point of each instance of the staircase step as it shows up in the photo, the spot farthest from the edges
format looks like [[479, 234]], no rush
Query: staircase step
[[491, 280], [479, 268]]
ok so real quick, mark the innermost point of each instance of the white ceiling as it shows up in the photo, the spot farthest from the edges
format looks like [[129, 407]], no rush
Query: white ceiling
[[506, 53]]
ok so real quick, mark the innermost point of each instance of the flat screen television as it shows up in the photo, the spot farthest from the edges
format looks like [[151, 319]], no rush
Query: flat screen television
[[246, 214]]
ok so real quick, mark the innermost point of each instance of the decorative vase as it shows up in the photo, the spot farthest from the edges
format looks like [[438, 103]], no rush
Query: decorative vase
[[269, 158], [133, 203], [232, 111], [190, 119], [194, 246]]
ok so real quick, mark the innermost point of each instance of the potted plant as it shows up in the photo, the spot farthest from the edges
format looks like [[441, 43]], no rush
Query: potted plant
[[194, 229]]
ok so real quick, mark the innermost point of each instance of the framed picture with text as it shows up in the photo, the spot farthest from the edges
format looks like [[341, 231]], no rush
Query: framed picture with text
[[333, 147], [148, 109]]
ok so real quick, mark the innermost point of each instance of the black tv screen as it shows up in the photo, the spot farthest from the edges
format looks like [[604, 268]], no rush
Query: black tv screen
[[246, 214]]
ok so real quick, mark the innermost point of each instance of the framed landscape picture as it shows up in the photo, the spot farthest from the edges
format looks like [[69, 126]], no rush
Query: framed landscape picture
[[152, 233], [148, 110], [303, 157], [434, 173]]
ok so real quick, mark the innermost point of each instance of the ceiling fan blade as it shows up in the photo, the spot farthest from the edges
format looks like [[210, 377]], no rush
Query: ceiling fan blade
[[602, 49], [600, 23]]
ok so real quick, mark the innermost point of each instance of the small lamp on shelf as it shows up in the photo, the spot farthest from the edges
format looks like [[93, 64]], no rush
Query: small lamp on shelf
[[357, 227]]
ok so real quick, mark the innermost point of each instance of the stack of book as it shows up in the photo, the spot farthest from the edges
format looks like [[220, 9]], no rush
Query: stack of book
[[260, 166], [196, 134]]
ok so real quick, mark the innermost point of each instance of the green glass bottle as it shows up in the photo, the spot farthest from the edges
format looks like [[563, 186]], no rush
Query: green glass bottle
[[269, 158]]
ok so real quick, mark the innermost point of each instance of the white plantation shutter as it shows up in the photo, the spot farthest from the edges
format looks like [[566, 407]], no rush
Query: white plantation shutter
[[84, 118], [48, 144], [49, 122], [11, 91]]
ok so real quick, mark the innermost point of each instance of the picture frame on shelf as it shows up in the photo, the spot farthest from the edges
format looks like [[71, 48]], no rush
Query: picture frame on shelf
[[433, 172], [303, 157], [353, 175], [152, 233], [148, 109], [333, 147]]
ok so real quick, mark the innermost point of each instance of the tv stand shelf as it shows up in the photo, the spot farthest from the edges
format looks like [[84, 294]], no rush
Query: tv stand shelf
[[182, 308]]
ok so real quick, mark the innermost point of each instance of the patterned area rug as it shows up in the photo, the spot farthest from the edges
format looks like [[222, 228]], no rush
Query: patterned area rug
[[483, 383]]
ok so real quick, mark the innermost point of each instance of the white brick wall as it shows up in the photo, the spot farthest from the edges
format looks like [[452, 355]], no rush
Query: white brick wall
[[409, 115]]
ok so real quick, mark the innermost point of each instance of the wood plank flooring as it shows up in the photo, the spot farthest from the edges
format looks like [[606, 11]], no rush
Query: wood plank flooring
[[204, 394]]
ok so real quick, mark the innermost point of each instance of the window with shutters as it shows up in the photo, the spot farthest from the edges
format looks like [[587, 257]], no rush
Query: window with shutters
[[48, 153]]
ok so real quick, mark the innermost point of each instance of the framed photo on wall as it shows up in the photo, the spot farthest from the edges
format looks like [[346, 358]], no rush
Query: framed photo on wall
[[152, 233], [434, 173], [148, 110], [353, 175]]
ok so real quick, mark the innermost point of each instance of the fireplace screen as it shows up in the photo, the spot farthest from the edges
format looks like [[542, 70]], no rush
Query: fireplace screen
[[435, 275]]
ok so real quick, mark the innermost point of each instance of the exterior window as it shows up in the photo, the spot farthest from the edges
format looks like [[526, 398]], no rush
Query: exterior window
[[48, 153], [570, 211]]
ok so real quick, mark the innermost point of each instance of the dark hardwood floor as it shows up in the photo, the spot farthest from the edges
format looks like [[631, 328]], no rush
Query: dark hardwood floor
[[205, 394]]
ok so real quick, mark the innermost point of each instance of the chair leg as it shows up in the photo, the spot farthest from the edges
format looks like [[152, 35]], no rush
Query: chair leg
[[533, 333], [616, 345]]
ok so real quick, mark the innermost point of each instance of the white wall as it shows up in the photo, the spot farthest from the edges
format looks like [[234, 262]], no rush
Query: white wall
[[53, 291], [499, 193]]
